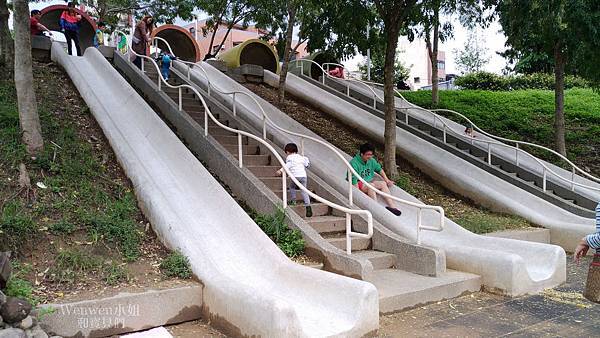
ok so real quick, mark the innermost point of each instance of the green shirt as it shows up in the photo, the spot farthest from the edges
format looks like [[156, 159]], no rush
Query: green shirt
[[365, 170]]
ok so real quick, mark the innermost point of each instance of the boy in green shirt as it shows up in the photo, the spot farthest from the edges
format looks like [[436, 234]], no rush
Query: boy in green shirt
[[366, 166]]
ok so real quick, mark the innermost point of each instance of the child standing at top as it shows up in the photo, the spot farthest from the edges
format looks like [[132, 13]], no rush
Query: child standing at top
[[297, 165], [99, 36]]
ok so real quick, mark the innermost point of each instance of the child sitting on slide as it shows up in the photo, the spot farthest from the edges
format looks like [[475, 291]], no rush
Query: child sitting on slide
[[297, 165]]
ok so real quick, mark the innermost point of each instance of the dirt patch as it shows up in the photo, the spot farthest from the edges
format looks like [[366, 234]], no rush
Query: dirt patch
[[78, 233], [411, 179]]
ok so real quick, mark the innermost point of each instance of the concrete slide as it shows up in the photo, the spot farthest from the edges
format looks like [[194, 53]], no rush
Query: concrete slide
[[250, 286], [566, 228], [507, 266], [506, 153]]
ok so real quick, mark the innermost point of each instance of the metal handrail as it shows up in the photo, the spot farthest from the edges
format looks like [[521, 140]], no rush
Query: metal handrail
[[286, 172], [436, 117], [351, 172]]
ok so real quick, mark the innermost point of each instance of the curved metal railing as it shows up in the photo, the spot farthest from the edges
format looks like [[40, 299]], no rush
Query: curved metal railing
[[351, 172], [286, 172], [545, 169]]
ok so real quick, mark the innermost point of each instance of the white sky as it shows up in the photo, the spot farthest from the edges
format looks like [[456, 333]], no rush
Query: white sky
[[492, 36]]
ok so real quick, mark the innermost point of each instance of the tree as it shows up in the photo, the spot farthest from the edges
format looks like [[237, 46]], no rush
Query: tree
[[167, 11], [395, 15], [431, 27], [473, 56], [6, 41], [401, 72], [28, 114], [565, 31]]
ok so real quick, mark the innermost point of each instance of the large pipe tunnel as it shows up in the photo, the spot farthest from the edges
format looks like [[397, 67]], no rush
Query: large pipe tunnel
[[253, 51], [51, 19], [181, 41], [311, 69]]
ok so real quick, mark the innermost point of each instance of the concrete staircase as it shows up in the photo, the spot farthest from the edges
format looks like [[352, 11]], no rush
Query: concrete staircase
[[398, 289]]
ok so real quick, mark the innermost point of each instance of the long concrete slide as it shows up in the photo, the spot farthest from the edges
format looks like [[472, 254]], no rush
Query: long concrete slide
[[508, 266], [526, 171], [249, 285], [452, 171]]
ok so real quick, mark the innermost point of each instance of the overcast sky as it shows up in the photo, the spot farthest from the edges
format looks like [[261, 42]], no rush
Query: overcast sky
[[492, 36]]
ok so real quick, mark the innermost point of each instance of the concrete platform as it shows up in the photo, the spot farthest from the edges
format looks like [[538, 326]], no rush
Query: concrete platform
[[417, 290]]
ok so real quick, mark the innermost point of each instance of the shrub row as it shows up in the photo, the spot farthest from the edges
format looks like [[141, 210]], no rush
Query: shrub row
[[491, 81]]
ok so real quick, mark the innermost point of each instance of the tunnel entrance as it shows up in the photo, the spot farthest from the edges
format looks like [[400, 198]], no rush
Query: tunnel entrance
[[258, 54], [51, 19], [181, 41]]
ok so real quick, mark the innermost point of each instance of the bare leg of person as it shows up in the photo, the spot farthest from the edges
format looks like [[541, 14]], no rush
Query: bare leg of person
[[383, 187]]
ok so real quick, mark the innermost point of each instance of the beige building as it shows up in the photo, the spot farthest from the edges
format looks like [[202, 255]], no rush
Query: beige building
[[414, 56], [236, 36]]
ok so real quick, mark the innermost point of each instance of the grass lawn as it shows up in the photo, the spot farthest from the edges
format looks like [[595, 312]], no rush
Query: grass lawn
[[528, 115]]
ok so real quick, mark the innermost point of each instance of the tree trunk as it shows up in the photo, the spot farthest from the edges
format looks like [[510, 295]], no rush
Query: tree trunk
[[214, 33], [6, 41], [28, 114], [435, 99], [559, 100], [287, 52], [389, 101]]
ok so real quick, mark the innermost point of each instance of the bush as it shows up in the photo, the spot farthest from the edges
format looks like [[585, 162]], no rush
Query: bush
[[290, 241], [491, 81], [176, 265]]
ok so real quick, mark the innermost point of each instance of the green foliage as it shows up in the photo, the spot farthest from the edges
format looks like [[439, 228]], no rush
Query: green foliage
[[62, 227], [115, 273], [401, 72], [290, 241], [16, 225], [473, 56], [70, 263], [491, 81], [483, 222], [19, 287], [176, 265], [404, 183]]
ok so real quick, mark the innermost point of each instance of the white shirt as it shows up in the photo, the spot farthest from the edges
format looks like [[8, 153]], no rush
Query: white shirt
[[296, 164]]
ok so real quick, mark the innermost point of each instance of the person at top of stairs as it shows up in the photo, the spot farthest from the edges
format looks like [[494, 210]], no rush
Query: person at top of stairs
[[365, 164], [165, 64], [297, 165]]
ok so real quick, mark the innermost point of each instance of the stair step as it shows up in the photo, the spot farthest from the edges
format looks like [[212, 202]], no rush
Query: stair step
[[379, 259], [246, 149], [274, 182], [250, 160], [327, 224], [357, 243], [399, 290], [318, 209], [264, 170], [233, 140]]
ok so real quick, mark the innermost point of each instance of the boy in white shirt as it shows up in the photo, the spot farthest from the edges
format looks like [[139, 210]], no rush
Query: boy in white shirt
[[297, 165]]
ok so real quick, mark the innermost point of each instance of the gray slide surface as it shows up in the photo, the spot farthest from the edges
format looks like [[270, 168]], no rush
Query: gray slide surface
[[249, 284]]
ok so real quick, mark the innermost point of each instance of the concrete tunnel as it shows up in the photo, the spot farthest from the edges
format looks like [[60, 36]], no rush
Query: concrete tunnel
[[311, 69], [181, 41], [51, 19], [254, 52]]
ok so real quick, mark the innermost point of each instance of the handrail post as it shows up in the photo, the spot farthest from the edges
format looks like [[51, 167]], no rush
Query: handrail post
[[406, 116], [180, 100], [284, 188], [302, 146], [159, 81], [445, 135], [234, 108], [489, 153], [188, 72], [348, 234], [419, 221], [544, 179], [240, 149], [264, 127], [143, 61], [517, 155], [573, 179], [301, 67], [348, 88], [205, 122], [350, 197], [324, 75], [374, 101]]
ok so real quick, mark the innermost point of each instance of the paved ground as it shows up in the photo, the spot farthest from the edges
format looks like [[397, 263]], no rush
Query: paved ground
[[559, 312]]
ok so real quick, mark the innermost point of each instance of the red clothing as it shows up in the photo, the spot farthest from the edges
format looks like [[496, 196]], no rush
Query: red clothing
[[70, 18], [33, 26]]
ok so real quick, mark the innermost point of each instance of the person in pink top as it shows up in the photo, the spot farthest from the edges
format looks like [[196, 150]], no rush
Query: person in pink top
[[70, 22]]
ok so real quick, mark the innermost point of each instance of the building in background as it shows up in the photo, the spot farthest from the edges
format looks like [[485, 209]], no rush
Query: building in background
[[236, 36], [414, 56]]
